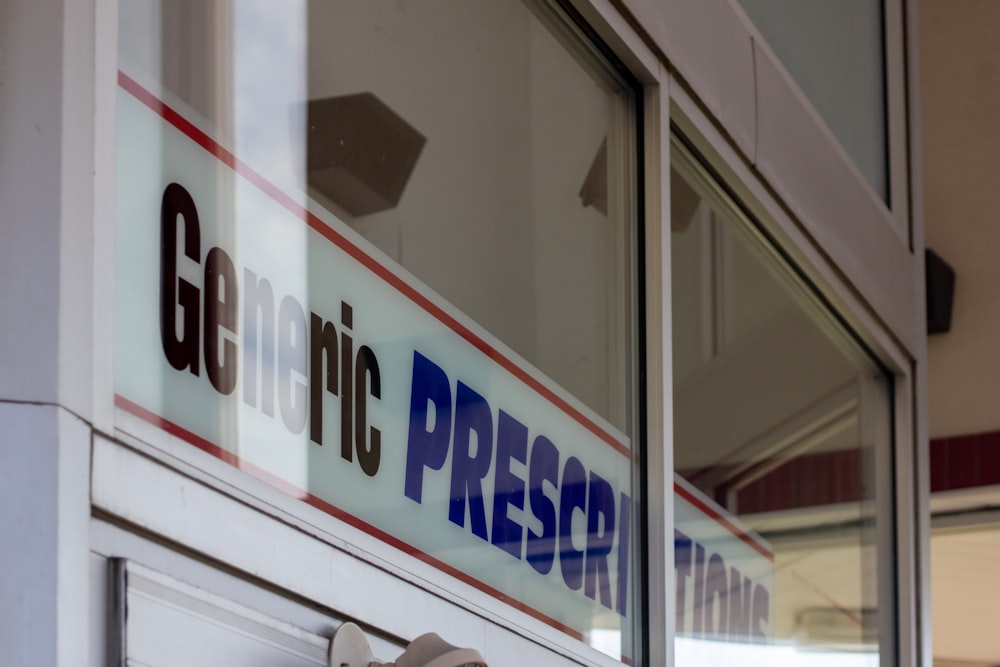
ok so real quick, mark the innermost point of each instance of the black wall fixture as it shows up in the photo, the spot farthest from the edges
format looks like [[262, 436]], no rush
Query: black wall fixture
[[940, 287]]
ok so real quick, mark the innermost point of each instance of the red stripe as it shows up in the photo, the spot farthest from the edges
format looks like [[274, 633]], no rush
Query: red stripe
[[705, 508], [328, 508], [185, 126], [965, 461]]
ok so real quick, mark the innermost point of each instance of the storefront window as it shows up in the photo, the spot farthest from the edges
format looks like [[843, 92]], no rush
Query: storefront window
[[780, 446], [382, 255]]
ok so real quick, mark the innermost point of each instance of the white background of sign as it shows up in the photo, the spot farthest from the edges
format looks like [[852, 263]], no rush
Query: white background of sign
[[261, 234]]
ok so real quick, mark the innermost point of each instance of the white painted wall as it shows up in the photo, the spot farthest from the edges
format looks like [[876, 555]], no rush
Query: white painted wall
[[960, 79], [47, 175]]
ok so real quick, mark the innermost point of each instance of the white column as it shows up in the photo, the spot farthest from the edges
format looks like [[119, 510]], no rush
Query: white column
[[47, 185]]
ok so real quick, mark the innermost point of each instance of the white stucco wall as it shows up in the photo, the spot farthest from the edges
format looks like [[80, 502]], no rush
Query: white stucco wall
[[960, 66]]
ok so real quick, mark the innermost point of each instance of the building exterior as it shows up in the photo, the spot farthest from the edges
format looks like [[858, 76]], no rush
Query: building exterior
[[958, 81], [576, 332]]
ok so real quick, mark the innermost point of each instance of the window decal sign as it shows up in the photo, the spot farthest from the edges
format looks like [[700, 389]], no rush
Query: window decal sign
[[724, 573], [263, 330]]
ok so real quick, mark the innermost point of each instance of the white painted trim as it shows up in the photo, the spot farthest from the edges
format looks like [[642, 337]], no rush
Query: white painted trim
[[75, 194], [896, 118], [135, 551], [626, 43], [104, 212], [917, 637], [340, 573], [908, 530], [659, 381], [708, 48], [155, 607], [44, 459]]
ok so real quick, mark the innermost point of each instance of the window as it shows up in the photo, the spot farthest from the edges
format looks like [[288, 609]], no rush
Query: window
[[782, 440], [383, 256]]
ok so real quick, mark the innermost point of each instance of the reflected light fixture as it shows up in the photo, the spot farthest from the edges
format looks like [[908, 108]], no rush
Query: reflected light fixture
[[360, 153], [349, 648], [595, 187]]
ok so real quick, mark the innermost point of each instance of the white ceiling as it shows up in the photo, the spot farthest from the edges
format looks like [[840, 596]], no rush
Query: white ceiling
[[965, 587]]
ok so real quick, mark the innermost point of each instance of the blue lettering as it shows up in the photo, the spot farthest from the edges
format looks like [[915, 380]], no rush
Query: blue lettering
[[426, 448], [544, 467], [682, 565], [739, 604], [508, 488], [716, 585], [472, 416], [600, 539], [699, 588], [558, 492], [573, 497], [722, 607]]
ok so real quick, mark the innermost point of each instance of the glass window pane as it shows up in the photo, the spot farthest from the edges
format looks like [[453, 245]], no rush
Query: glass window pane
[[779, 425], [834, 49], [500, 177], [382, 255]]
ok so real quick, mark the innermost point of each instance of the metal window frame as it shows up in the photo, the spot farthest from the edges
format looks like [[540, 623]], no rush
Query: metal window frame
[[903, 549]]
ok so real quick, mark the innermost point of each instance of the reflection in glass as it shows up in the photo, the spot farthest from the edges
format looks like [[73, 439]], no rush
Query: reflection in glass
[[466, 176], [467, 143], [779, 423]]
